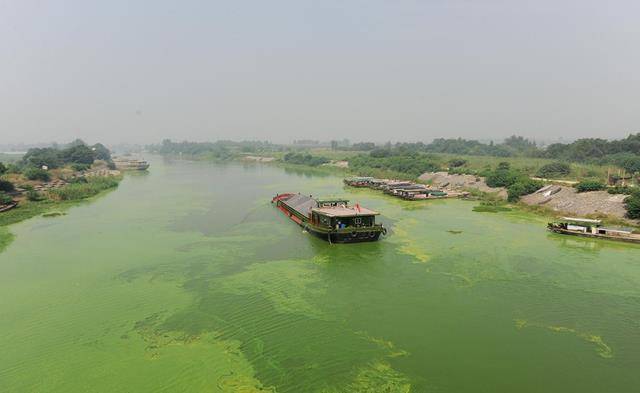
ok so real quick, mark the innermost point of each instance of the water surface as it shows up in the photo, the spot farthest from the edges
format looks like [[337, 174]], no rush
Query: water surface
[[187, 280]]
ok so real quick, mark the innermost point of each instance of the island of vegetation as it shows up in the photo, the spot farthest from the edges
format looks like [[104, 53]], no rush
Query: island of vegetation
[[591, 177], [45, 181]]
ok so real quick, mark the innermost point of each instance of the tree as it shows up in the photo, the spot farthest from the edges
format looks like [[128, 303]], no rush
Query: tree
[[101, 152], [6, 186], [79, 154], [3, 169], [46, 156], [37, 174]]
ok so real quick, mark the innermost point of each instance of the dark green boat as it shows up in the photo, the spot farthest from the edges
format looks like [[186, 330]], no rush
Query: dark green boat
[[331, 219]]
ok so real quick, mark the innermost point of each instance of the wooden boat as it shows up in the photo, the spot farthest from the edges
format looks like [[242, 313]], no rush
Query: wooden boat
[[125, 164], [8, 206], [331, 219], [592, 229], [358, 181]]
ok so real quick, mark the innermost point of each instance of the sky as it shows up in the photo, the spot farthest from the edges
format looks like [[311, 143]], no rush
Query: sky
[[140, 71]]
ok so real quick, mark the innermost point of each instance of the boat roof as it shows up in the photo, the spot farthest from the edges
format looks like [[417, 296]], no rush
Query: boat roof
[[584, 220], [339, 211], [618, 229]]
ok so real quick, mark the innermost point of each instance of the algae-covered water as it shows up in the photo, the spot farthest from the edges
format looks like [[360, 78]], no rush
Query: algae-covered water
[[187, 280]]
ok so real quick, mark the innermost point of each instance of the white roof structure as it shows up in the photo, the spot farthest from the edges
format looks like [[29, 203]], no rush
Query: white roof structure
[[339, 211], [584, 220]]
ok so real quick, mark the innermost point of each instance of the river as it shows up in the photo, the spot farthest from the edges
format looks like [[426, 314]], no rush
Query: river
[[186, 279]]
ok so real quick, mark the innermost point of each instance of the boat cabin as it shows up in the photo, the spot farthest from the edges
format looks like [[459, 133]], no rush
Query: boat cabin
[[340, 216]]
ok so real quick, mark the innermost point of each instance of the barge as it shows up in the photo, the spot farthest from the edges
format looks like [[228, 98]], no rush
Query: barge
[[592, 229], [331, 219], [406, 190]]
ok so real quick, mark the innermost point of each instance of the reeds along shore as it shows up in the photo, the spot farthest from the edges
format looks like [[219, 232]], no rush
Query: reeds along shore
[[402, 189]]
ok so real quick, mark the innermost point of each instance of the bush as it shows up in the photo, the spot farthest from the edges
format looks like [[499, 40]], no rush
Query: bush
[[621, 190], [4, 198], [555, 169], [457, 162], [37, 174], [503, 176], [522, 187], [75, 191], [3, 169], [632, 203], [6, 186], [590, 185], [80, 167]]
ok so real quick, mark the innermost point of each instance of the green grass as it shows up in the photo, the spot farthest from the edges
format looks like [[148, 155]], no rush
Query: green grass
[[77, 191]]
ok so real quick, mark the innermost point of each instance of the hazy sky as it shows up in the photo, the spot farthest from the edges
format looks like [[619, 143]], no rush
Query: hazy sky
[[140, 71]]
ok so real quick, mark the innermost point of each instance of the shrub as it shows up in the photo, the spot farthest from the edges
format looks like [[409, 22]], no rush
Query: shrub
[[621, 190], [522, 187], [503, 176], [590, 185], [555, 169], [37, 174], [3, 169], [6, 186], [4, 198], [457, 162], [632, 203], [80, 167]]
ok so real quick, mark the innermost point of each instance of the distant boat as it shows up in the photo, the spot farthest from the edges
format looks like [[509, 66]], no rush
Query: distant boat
[[331, 219], [585, 227], [126, 164]]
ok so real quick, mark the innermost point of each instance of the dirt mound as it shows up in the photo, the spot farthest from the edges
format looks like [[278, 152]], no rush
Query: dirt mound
[[448, 181], [569, 201]]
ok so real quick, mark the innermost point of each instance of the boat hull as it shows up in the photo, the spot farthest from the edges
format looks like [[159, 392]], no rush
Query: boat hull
[[595, 235]]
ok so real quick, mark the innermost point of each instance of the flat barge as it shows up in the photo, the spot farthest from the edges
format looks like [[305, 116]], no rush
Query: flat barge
[[406, 190], [593, 229], [331, 219]]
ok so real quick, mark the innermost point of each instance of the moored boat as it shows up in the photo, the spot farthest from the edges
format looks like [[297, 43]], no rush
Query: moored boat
[[127, 164], [585, 227], [331, 219]]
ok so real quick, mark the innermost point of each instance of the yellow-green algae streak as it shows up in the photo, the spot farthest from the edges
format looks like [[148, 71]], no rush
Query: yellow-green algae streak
[[187, 280]]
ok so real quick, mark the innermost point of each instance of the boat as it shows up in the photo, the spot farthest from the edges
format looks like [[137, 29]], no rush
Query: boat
[[331, 219], [590, 228], [127, 164], [358, 181]]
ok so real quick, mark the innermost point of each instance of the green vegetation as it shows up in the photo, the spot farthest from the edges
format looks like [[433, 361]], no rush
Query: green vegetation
[[590, 185], [412, 164], [304, 159], [491, 207], [554, 170], [4, 198], [6, 186], [76, 191], [632, 203], [77, 152], [37, 174]]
